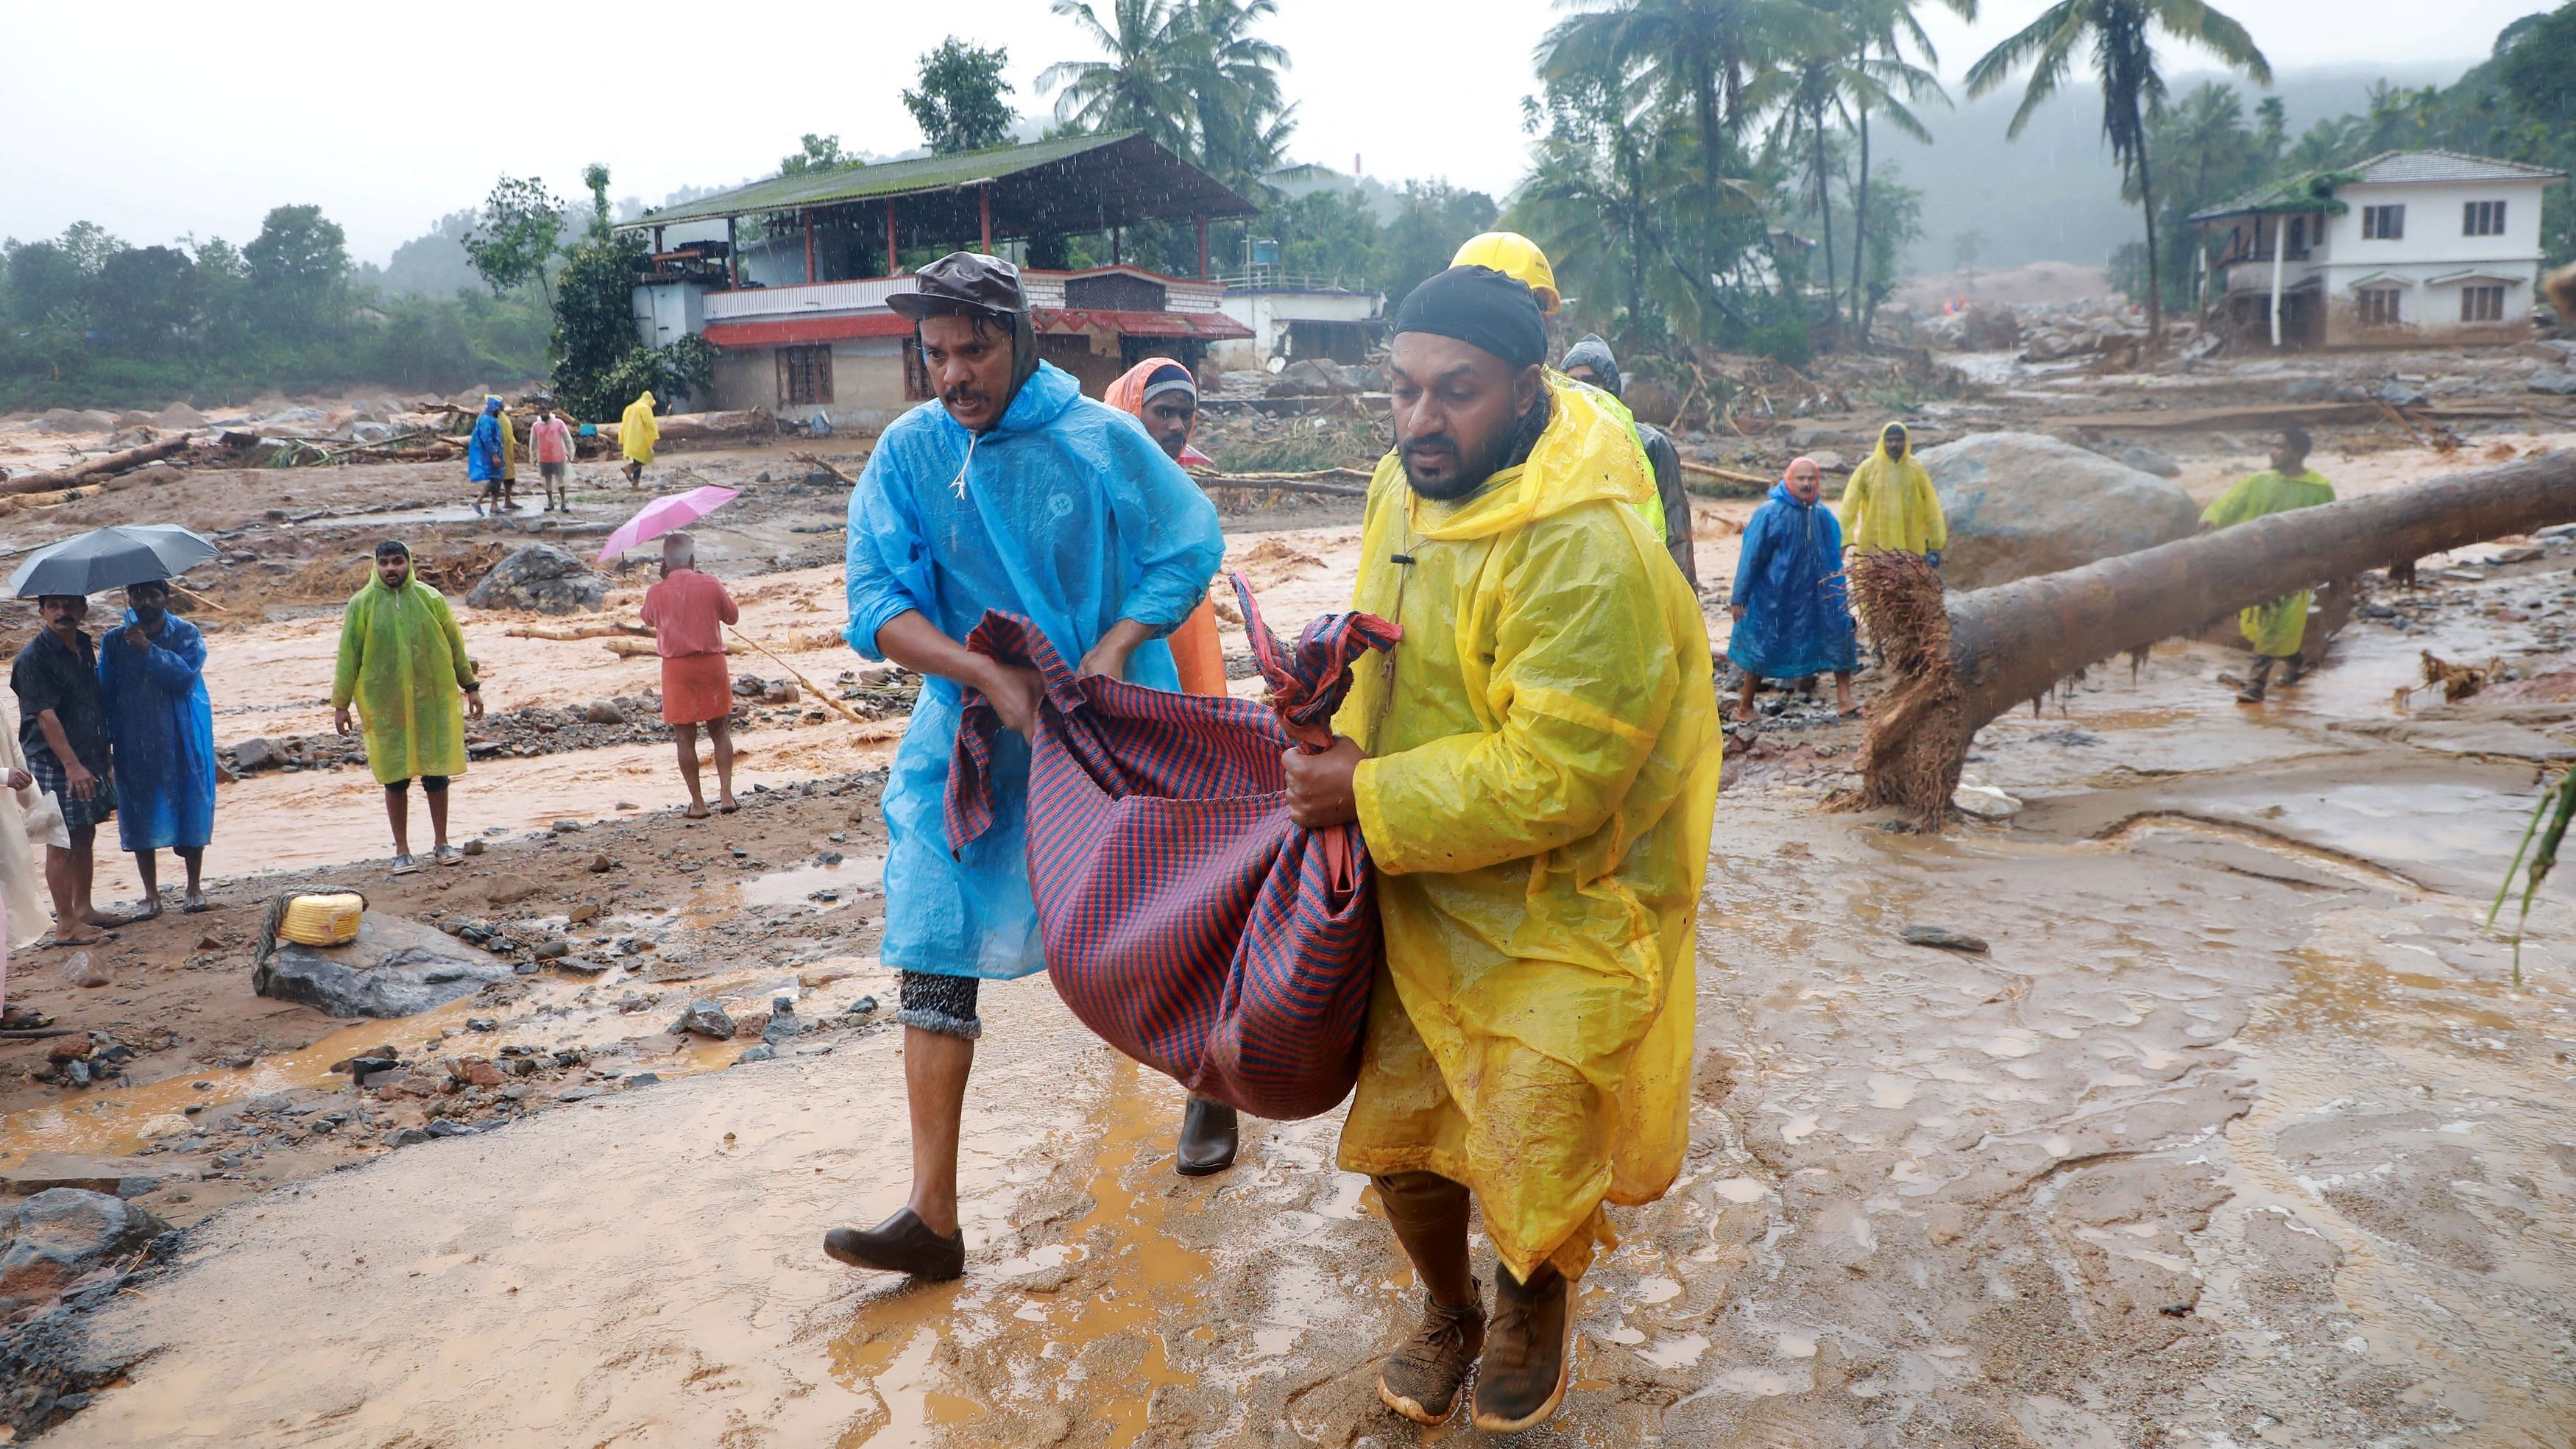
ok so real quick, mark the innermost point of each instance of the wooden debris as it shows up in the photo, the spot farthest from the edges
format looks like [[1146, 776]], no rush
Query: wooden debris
[[603, 629], [811, 687], [817, 460], [130, 459]]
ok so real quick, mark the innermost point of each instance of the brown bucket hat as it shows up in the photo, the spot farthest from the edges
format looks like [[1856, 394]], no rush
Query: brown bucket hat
[[962, 284]]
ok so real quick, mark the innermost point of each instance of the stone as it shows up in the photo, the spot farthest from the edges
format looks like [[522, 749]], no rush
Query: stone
[[179, 415], [446, 1128], [1652, 401], [509, 890], [583, 914], [2148, 460], [406, 1137], [1807, 437], [2395, 394], [474, 1072], [566, 827], [62, 1233], [258, 753], [643, 1079], [603, 712], [116, 1176], [576, 1094], [749, 686], [761, 1053], [1942, 937], [2020, 504], [600, 864], [704, 1018], [550, 950], [541, 577], [2554, 382], [580, 965], [87, 968], [779, 691], [396, 967], [471, 847]]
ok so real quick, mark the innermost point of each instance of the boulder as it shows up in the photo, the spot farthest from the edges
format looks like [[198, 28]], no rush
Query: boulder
[[603, 711], [65, 420], [259, 752], [704, 1018], [62, 1233], [178, 416], [2553, 382], [2021, 503], [1652, 402], [2148, 460], [396, 967], [541, 577]]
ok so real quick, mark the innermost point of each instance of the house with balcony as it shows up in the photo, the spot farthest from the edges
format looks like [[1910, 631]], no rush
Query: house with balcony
[[2403, 249], [1293, 315], [789, 276]]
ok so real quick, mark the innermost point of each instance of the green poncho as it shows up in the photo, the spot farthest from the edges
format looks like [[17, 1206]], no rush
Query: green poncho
[[402, 661], [2277, 628]]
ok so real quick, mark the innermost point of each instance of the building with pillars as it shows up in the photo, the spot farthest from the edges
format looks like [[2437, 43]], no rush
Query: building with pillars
[[788, 277]]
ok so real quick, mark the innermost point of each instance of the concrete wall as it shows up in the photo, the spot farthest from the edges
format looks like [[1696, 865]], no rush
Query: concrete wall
[[867, 383], [2433, 235], [1268, 314]]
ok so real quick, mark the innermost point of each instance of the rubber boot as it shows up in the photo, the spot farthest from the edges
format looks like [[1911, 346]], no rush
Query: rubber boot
[[1526, 1367], [2260, 679], [1208, 1131], [1422, 1379]]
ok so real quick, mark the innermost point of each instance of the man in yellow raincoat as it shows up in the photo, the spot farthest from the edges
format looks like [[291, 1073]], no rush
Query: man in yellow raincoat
[[1889, 502], [403, 664], [2277, 629], [1534, 771], [637, 432]]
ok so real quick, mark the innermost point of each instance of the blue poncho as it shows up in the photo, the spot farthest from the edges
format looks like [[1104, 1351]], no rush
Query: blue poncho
[[1069, 516], [1797, 620], [163, 730], [485, 453]]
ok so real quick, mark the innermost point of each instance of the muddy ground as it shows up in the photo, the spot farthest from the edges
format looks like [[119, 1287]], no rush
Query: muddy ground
[[2241, 1132]]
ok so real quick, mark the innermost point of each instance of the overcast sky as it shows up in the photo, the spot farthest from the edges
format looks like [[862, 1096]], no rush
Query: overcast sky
[[161, 124]]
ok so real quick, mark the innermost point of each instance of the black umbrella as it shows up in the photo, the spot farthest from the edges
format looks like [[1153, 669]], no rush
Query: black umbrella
[[109, 558]]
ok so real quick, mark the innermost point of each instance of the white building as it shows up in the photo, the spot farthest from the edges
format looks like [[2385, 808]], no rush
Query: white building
[[2407, 247], [1292, 316]]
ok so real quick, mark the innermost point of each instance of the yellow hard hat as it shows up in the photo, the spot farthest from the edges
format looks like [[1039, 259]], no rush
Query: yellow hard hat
[[1516, 256]]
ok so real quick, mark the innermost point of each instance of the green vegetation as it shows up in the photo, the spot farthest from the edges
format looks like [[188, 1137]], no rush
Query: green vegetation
[[959, 106]]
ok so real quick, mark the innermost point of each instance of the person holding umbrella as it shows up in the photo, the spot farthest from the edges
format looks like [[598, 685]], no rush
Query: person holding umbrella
[[687, 612], [161, 729], [403, 665], [63, 729]]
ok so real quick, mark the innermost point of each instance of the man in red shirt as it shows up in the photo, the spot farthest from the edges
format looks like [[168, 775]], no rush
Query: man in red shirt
[[550, 447], [687, 612]]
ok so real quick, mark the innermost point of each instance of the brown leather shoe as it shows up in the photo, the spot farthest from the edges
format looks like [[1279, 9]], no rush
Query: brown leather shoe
[[1421, 1379], [901, 1244], [1207, 1138], [1524, 1374]]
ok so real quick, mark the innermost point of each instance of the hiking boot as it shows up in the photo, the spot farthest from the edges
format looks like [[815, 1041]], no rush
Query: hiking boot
[[1207, 1138], [1524, 1374], [901, 1244], [1421, 1379]]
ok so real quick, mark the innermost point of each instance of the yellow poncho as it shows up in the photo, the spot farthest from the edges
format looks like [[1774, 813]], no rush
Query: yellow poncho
[[1538, 803], [402, 662], [2278, 628], [637, 432], [1889, 503], [509, 448]]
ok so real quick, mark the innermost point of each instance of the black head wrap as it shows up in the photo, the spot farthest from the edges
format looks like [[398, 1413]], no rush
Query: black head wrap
[[1481, 307]]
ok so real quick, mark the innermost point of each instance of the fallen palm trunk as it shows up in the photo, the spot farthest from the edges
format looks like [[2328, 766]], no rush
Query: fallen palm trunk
[[605, 629], [130, 459], [1956, 667], [21, 502]]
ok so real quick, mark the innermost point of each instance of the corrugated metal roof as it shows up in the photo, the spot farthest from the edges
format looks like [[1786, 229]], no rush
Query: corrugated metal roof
[[2433, 165], [1123, 174]]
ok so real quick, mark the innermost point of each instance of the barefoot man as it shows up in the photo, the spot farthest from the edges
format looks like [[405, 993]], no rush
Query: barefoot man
[[403, 664], [1534, 771], [1012, 492], [62, 725], [687, 612], [153, 671]]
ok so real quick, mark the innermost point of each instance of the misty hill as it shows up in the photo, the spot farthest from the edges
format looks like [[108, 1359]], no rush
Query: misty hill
[[2054, 195]]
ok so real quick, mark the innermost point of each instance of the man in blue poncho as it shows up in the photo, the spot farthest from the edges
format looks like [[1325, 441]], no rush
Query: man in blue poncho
[[1013, 492], [487, 459], [153, 674], [1791, 617]]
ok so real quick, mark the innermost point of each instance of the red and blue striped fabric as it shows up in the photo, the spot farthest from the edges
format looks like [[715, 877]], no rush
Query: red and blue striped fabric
[[1186, 920]]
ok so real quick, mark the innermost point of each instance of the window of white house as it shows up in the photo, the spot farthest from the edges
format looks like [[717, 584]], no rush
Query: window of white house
[[2298, 236], [805, 376], [2377, 306], [2482, 304], [2482, 218], [2383, 223]]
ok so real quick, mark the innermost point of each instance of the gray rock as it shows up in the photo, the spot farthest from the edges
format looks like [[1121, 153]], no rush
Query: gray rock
[[1807, 437], [2148, 460], [2553, 382], [396, 967], [445, 1128], [406, 1137], [2020, 504], [576, 1094], [62, 1233], [179, 415], [580, 965], [704, 1018], [2395, 394], [258, 753], [603, 711], [541, 577], [761, 1053]]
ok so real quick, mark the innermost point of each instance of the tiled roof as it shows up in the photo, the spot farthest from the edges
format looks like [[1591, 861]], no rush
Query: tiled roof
[[2445, 166]]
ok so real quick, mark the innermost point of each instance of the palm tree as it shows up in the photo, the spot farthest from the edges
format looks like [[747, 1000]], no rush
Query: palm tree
[[1142, 85], [2124, 60], [1703, 53], [1243, 124], [1885, 80]]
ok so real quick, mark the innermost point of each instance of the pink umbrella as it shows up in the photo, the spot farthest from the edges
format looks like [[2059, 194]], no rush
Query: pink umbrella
[[663, 515]]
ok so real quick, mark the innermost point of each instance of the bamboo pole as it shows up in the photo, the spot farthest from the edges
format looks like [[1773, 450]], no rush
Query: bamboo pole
[[811, 687], [1728, 474]]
